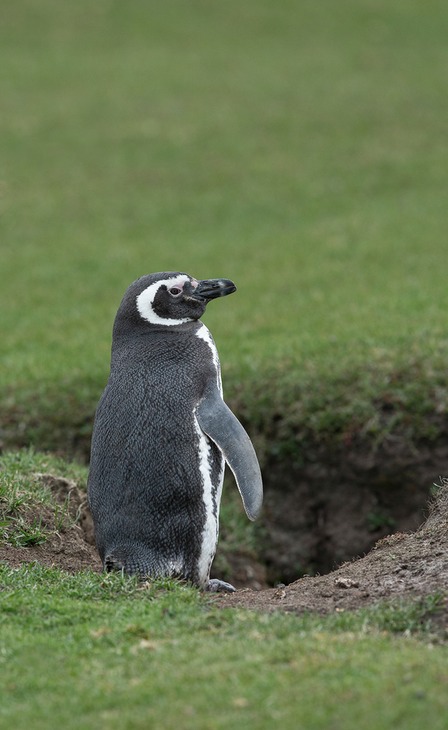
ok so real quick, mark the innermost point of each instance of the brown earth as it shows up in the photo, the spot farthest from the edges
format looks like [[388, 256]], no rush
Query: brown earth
[[400, 565], [69, 545]]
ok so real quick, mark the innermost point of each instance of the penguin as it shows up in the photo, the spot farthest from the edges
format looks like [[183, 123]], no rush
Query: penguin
[[162, 433]]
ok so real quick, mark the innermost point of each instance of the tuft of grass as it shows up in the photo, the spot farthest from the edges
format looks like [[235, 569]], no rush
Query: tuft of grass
[[408, 617], [23, 495], [19, 532]]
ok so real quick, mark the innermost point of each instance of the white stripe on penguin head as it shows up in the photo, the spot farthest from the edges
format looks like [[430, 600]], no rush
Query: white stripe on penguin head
[[145, 301]]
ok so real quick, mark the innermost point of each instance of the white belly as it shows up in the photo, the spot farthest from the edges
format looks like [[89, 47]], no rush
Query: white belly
[[212, 499]]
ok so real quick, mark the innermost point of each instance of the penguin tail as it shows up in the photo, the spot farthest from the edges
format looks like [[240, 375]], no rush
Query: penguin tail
[[113, 564], [128, 564]]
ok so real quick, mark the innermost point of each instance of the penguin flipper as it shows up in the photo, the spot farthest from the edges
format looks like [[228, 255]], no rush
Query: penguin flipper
[[219, 423]]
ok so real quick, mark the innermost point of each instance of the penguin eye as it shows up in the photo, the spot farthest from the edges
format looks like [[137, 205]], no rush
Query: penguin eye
[[175, 291]]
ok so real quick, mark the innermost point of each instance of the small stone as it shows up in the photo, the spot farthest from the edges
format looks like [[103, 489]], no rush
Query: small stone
[[342, 582], [280, 594]]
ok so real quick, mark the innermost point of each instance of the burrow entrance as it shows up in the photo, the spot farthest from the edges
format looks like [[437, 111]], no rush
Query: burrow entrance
[[336, 507]]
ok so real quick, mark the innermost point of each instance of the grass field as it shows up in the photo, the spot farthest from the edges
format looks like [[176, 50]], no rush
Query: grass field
[[90, 650], [300, 149]]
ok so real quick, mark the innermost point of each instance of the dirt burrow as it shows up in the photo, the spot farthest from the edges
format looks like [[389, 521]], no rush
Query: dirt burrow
[[400, 565], [338, 504]]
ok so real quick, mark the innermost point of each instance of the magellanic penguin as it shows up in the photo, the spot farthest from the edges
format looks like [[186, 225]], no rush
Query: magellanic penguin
[[162, 433]]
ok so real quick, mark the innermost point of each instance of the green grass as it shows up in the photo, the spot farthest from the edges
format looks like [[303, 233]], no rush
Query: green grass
[[84, 650], [296, 148]]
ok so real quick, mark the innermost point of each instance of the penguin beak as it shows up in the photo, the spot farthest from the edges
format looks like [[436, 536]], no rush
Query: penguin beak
[[209, 289]]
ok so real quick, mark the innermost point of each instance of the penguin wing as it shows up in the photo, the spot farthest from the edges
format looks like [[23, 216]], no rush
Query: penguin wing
[[219, 423]]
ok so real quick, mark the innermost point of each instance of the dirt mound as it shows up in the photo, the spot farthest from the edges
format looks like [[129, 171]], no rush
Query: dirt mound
[[400, 565], [69, 531]]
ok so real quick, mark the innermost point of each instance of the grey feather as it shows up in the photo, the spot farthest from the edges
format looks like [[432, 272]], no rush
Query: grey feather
[[222, 426]]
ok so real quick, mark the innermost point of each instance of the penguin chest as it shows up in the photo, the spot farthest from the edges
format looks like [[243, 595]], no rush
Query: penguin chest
[[211, 470]]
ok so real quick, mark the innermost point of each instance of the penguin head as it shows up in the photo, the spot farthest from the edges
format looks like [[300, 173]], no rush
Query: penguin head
[[170, 298]]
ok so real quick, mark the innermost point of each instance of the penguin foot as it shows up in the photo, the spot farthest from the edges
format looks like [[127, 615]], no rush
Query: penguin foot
[[219, 586]]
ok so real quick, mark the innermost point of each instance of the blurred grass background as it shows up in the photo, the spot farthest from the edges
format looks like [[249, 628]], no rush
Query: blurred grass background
[[297, 148]]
